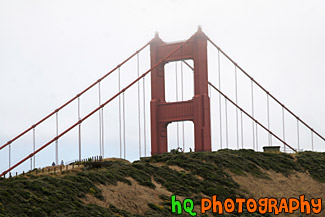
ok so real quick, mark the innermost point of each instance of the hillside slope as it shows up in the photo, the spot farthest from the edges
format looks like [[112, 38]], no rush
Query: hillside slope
[[143, 188]]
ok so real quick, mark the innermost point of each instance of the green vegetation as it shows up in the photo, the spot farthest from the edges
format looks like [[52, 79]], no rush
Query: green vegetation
[[203, 173]]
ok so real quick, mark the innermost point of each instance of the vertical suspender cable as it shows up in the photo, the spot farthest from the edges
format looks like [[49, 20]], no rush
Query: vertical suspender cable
[[312, 140], [79, 129], [236, 93], [102, 110], [100, 122], [119, 110], [144, 118], [283, 130], [57, 140], [268, 118], [242, 129], [31, 163], [34, 147], [220, 119], [9, 155], [256, 137], [298, 134], [176, 80], [182, 89], [226, 122], [124, 145], [252, 92], [139, 116]]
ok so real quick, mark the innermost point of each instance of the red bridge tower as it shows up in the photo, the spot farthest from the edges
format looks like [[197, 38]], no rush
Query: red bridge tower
[[196, 110]]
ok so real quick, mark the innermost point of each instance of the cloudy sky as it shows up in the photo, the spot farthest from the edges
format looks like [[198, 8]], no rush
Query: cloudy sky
[[51, 50]]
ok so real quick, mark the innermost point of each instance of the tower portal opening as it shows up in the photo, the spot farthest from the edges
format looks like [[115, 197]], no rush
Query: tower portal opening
[[179, 81]]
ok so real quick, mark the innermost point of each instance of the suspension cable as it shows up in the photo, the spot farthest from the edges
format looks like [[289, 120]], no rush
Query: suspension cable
[[144, 118], [260, 86], [283, 129], [31, 163], [176, 80], [268, 119], [236, 94], [34, 146], [119, 110], [100, 122], [102, 111], [247, 114], [312, 140], [242, 130], [94, 111], [226, 122], [298, 134], [74, 98], [79, 129], [9, 155], [256, 137], [139, 111], [124, 143], [252, 93], [220, 118], [57, 140], [182, 89]]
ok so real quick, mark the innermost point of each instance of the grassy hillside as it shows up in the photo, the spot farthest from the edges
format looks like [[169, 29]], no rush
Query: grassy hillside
[[196, 175]]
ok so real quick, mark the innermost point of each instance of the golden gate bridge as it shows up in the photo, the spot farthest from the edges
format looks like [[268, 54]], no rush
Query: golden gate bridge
[[236, 118]]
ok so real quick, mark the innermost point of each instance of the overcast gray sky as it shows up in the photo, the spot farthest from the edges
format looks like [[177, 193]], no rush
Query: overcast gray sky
[[51, 50]]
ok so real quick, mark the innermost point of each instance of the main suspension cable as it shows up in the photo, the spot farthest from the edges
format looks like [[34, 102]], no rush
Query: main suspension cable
[[74, 98], [94, 111], [260, 86], [248, 115]]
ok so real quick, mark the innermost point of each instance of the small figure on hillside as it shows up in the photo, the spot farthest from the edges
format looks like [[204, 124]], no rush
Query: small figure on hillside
[[62, 163], [179, 150], [191, 150], [53, 164]]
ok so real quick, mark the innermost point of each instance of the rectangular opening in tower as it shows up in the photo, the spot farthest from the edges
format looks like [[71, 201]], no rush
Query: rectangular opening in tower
[[179, 81], [181, 135]]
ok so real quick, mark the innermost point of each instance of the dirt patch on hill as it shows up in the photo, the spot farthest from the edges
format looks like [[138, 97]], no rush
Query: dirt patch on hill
[[132, 198], [280, 186], [175, 167]]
